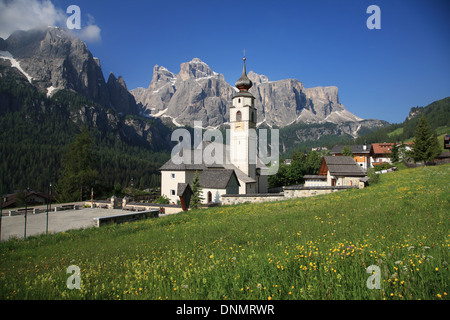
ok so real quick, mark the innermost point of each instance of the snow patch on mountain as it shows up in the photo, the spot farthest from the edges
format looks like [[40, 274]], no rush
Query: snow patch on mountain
[[8, 56]]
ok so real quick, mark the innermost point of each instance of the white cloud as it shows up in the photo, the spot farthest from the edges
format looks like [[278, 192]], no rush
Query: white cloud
[[91, 33], [29, 14]]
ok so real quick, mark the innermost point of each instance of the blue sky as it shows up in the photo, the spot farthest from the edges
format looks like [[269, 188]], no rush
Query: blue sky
[[380, 74]]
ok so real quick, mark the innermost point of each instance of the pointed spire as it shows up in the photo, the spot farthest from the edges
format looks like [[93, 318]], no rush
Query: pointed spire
[[244, 83]]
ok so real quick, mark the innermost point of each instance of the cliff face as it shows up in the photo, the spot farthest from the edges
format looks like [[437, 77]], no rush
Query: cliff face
[[55, 60], [197, 93], [52, 60]]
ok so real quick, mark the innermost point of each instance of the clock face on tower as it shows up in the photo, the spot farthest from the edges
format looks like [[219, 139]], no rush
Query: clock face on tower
[[239, 126]]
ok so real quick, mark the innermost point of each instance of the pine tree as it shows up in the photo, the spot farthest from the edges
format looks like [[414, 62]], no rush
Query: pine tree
[[435, 148], [196, 198], [78, 174], [395, 154], [426, 145]]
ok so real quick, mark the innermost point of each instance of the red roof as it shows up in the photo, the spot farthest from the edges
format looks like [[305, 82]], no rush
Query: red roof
[[382, 148]]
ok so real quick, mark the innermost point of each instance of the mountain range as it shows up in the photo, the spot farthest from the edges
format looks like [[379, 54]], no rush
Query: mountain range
[[51, 85], [52, 59], [199, 93]]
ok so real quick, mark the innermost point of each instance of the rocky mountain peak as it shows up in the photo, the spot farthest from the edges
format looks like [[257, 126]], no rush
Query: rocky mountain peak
[[120, 81], [199, 93], [195, 69], [55, 59], [161, 76], [257, 78]]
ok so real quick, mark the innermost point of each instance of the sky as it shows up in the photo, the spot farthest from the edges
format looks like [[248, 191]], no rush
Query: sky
[[380, 73]]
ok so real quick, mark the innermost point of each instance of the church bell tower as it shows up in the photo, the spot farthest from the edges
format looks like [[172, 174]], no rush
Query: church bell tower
[[243, 127]]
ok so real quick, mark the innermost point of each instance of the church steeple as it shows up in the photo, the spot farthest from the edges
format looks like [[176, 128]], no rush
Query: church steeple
[[243, 124], [244, 83]]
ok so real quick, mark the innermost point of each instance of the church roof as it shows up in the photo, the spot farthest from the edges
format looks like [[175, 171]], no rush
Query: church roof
[[221, 162], [216, 178], [244, 83]]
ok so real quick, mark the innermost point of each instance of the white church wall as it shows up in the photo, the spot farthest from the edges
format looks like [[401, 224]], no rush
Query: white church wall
[[169, 183]]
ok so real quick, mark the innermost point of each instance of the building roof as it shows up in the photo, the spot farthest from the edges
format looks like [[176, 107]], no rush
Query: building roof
[[356, 149], [444, 155], [244, 83], [217, 178], [343, 166], [182, 188], [306, 177], [220, 162], [382, 148], [188, 162], [9, 200]]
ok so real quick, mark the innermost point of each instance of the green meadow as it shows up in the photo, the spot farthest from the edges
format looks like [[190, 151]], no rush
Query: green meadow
[[308, 248]]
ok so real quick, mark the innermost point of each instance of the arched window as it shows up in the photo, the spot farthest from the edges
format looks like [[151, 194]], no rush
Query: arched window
[[238, 116], [209, 197], [252, 118]]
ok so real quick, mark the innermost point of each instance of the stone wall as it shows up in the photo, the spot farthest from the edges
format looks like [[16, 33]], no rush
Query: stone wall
[[290, 192], [229, 199], [303, 192]]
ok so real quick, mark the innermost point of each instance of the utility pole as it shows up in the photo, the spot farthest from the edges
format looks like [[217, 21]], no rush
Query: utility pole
[[25, 216], [49, 201], [1, 203], [1, 195]]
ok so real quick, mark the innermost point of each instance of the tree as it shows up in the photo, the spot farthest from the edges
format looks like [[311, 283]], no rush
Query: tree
[[426, 145], [395, 154], [346, 151], [313, 162], [293, 173], [78, 174], [196, 198], [435, 147]]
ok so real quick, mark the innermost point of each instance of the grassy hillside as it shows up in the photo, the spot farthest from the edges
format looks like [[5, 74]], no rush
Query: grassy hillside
[[436, 113], [311, 248]]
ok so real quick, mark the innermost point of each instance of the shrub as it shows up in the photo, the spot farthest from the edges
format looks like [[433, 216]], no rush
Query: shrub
[[384, 166], [373, 177], [162, 200]]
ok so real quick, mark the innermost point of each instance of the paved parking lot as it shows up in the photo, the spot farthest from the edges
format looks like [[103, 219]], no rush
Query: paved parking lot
[[57, 221]]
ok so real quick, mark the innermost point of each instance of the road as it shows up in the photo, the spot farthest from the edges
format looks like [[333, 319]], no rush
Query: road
[[57, 221]]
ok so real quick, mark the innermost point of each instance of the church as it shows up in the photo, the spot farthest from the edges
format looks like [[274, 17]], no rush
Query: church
[[238, 169]]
